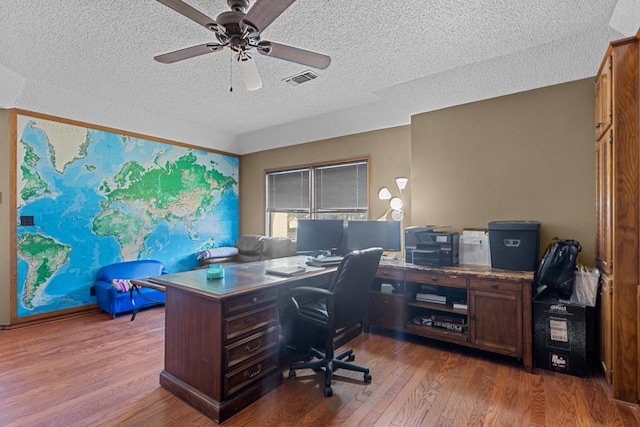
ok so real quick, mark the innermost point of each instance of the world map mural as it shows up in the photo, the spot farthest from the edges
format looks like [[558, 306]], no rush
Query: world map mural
[[88, 197]]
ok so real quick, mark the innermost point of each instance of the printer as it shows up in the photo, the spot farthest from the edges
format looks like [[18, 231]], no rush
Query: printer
[[426, 246]]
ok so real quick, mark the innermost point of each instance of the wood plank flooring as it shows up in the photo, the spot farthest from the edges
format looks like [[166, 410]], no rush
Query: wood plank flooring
[[94, 371]]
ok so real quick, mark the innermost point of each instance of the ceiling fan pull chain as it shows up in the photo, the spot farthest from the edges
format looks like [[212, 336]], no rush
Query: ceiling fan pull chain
[[230, 73]]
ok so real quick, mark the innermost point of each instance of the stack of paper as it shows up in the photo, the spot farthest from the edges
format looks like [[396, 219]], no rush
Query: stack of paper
[[433, 298]]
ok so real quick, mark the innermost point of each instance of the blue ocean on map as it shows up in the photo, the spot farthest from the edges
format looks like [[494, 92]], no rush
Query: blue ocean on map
[[66, 213]]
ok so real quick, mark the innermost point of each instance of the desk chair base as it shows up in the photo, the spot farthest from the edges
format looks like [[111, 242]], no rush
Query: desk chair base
[[329, 364]]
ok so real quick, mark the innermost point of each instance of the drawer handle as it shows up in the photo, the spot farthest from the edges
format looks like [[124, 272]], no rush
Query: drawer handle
[[248, 375], [434, 279], [252, 349], [494, 286], [255, 300]]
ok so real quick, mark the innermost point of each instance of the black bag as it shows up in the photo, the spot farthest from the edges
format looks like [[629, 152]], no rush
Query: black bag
[[557, 271]]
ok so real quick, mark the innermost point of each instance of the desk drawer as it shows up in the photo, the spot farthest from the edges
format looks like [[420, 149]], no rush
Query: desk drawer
[[389, 273], [436, 279], [247, 374], [250, 322], [250, 300], [252, 346], [386, 310], [495, 285]]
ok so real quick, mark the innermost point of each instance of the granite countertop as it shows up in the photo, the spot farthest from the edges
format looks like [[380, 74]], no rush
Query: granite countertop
[[467, 270]]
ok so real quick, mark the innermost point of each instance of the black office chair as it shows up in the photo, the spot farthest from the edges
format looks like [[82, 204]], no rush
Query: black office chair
[[343, 304]]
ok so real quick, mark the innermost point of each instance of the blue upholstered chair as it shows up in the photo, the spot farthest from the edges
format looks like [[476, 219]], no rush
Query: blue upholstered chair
[[114, 302]]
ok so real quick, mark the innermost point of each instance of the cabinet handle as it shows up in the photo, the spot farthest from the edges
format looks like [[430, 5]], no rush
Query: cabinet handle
[[252, 349], [251, 375], [598, 125], [494, 286], [434, 279], [254, 300]]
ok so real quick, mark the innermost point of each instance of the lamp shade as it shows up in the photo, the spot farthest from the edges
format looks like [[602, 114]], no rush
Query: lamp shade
[[248, 71], [401, 182], [396, 203], [384, 194], [397, 215]]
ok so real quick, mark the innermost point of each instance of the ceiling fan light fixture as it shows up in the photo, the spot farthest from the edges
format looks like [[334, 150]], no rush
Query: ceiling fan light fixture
[[248, 71]]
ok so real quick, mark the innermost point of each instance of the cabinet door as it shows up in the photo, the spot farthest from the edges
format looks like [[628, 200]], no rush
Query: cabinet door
[[606, 330], [604, 194], [603, 107], [386, 310], [496, 318]]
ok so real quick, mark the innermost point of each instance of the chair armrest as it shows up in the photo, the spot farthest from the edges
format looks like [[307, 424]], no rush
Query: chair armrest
[[310, 290], [307, 294], [104, 286]]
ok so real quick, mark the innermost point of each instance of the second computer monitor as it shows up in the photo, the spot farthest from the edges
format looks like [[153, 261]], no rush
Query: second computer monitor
[[318, 235], [374, 234]]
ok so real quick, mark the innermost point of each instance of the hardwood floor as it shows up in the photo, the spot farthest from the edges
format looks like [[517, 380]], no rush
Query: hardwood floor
[[94, 371]]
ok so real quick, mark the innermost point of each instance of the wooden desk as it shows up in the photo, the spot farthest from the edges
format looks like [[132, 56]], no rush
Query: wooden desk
[[222, 336]]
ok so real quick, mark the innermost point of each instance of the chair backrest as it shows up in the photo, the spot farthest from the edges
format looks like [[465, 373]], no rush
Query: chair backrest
[[352, 284], [131, 270]]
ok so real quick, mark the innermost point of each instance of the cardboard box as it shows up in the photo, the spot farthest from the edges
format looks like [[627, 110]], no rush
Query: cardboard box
[[559, 336]]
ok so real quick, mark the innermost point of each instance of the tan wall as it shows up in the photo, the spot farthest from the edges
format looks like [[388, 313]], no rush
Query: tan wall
[[527, 156], [389, 151], [5, 223], [524, 156]]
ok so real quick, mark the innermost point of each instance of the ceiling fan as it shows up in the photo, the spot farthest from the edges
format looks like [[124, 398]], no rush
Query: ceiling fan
[[239, 30]]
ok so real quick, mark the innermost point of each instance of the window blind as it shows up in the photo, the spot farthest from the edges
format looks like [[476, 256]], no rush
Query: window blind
[[288, 190], [341, 187]]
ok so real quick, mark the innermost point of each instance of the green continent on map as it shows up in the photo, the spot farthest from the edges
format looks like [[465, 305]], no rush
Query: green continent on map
[[181, 191], [44, 256], [33, 185], [129, 230]]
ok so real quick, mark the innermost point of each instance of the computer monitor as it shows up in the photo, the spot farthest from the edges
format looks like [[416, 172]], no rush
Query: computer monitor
[[316, 235], [371, 234]]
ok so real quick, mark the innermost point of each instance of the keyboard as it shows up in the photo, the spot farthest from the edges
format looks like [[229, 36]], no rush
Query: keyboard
[[324, 261]]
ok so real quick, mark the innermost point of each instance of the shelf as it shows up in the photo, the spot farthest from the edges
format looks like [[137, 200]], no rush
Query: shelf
[[438, 307], [434, 331]]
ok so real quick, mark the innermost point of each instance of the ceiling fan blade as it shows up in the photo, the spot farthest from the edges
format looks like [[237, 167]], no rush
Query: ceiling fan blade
[[191, 13], [188, 52], [264, 12], [248, 71], [294, 54]]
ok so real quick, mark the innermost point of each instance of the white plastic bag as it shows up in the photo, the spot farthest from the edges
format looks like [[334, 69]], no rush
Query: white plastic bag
[[585, 289]]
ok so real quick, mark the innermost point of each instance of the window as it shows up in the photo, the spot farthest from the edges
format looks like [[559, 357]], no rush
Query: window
[[336, 191]]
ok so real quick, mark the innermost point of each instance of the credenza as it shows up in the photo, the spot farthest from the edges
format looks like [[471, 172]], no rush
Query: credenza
[[475, 306]]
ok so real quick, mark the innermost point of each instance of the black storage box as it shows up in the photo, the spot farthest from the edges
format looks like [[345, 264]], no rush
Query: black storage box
[[514, 245], [559, 335]]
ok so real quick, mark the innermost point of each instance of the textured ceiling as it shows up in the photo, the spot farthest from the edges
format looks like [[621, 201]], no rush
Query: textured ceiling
[[93, 61]]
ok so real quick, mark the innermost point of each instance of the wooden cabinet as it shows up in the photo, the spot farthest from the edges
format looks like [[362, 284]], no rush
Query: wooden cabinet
[[617, 146], [470, 305], [495, 308]]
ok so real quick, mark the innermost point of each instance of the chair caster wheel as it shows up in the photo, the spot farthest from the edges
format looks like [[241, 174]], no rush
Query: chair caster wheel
[[292, 373], [351, 357], [367, 378], [328, 392]]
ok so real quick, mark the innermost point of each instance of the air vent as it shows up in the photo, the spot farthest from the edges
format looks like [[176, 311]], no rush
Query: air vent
[[300, 78]]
